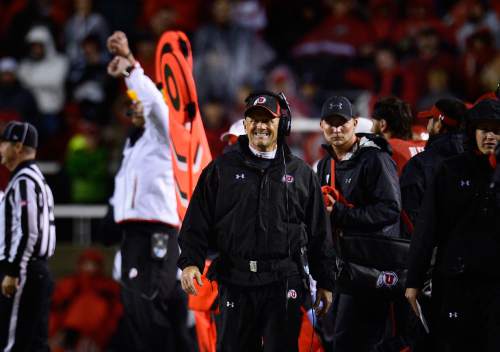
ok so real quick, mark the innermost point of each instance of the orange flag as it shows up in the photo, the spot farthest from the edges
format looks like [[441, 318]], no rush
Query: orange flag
[[190, 150]]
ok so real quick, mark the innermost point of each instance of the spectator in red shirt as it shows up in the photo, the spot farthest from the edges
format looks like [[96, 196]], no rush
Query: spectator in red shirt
[[430, 56], [86, 306], [419, 14], [480, 52], [387, 78], [340, 34], [383, 18], [185, 13], [332, 46], [392, 118]]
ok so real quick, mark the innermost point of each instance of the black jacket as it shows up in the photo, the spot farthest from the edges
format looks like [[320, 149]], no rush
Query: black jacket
[[459, 215], [369, 181], [419, 170], [244, 210]]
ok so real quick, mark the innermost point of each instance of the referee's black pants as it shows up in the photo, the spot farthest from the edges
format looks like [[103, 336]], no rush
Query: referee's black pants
[[155, 313], [259, 318], [24, 318]]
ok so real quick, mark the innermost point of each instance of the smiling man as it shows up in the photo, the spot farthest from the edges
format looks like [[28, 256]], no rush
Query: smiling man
[[261, 209]]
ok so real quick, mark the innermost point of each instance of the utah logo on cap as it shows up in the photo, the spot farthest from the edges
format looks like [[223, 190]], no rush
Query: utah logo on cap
[[259, 100]]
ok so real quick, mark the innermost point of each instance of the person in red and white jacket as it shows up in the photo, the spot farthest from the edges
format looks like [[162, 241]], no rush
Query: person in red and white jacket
[[145, 208]]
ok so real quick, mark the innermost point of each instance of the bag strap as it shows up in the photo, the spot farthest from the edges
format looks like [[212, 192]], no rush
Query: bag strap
[[332, 172], [404, 216], [335, 233], [407, 221]]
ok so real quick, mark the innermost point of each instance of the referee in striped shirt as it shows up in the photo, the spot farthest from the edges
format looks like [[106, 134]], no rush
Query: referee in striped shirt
[[27, 239]]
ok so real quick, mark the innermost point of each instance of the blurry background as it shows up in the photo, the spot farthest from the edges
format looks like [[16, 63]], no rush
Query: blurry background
[[53, 71], [53, 74], [53, 66]]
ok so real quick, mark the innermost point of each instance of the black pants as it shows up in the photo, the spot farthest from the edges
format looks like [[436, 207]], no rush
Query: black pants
[[468, 316], [259, 318], [24, 318], [359, 323], [155, 307]]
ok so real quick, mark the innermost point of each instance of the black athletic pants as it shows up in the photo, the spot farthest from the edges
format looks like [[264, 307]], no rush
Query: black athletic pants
[[155, 306], [359, 323], [467, 318], [24, 318], [259, 318]]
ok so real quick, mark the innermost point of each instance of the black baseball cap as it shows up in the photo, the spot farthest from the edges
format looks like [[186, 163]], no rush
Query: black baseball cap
[[485, 110], [263, 101], [22, 132], [449, 111], [337, 106]]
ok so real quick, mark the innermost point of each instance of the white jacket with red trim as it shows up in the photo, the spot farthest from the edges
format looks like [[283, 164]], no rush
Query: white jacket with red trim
[[144, 185]]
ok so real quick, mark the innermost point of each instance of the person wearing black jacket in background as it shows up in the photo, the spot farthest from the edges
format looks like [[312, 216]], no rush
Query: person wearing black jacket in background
[[366, 176], [459, 216], [260, 207], [446, 139]]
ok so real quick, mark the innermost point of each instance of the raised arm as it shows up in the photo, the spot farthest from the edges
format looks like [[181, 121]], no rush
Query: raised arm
[[125, 65]]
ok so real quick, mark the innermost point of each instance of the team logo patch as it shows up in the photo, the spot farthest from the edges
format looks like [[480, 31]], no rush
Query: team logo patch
[[288, 178], [292, 294], [387, 279], [464, 183], [240, 176], [259, 100], [453, 315]]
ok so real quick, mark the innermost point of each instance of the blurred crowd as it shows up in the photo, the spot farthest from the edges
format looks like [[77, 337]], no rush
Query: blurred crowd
[[53, 65]]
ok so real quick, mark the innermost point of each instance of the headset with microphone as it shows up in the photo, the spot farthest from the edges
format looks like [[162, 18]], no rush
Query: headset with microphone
[[285, 124]]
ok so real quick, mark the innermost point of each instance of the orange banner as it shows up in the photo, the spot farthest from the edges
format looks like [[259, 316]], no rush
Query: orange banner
[[190, 150]]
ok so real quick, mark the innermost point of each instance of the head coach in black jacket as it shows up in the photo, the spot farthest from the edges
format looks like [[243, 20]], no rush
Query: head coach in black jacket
[[366, 177], [460, 216], [261, 208]]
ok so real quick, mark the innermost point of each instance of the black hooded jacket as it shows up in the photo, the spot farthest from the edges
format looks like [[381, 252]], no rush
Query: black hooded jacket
[[459, 215], [246, 209], [368, 180], [419, 170]]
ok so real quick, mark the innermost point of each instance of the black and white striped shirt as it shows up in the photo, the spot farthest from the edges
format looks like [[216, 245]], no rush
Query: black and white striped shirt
[[27, 228]]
